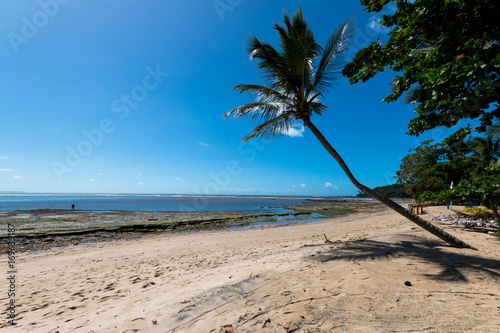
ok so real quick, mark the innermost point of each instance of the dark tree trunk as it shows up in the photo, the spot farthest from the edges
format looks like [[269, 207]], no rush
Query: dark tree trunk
[[453, 241]]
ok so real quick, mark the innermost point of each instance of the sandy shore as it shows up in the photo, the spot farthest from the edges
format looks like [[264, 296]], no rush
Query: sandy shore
[[271, 279], [44, 229]]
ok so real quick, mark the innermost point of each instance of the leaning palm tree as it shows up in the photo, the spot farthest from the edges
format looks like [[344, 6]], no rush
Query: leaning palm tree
[[296, 76]]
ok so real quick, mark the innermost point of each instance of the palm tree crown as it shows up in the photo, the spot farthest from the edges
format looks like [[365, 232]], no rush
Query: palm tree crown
[[486, 148], [295, 76], [494, 130]]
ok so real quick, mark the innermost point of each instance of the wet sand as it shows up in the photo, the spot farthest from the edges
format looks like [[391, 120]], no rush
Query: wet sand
[[378, 273]]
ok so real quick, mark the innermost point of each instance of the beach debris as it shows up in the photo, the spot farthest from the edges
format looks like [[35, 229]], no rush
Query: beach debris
[[467, 222], [268, 321], [444, 217], [229, 329], [408, 283], [327, 241]]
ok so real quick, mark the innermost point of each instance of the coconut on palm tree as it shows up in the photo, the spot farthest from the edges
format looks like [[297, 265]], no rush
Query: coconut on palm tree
[[296, 76]]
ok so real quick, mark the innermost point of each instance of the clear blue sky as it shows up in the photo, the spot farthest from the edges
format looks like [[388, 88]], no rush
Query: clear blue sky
[[126, 96]]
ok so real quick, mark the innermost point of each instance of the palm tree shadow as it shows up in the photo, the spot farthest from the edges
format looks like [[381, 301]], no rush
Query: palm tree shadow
[[455, 265]]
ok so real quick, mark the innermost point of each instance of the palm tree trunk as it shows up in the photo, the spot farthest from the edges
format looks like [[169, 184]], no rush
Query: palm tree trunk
[[453, 241]]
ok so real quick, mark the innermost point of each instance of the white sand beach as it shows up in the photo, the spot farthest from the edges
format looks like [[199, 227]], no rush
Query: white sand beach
[[268, 279]]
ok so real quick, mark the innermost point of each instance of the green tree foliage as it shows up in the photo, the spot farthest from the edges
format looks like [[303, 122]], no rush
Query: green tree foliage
[[494, 130], [485, 149], [433, 167], [446, 56], [418, 162], [390, 191], [484, 188]]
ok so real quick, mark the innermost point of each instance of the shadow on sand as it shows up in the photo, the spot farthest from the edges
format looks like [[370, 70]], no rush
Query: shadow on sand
[[455, 263]]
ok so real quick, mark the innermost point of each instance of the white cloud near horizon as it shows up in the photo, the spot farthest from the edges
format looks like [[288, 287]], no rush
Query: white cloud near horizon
[[140, 183], [204, 144], [302, 185], [5, 158], [17, 177], [6, 170], [328, 184]]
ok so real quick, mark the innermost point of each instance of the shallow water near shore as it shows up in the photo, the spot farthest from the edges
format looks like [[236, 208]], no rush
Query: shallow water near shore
[[47, 228], [157, 202]]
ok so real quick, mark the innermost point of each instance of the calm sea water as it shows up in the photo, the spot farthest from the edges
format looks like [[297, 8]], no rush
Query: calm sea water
[[154, 202]]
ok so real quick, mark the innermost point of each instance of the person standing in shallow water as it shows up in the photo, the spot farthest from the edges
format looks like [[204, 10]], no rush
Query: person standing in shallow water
[[73, 206]]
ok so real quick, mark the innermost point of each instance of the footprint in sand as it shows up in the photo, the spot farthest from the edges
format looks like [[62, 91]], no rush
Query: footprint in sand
[[110, 287], [40, 307], [151, 283], [140, 318]]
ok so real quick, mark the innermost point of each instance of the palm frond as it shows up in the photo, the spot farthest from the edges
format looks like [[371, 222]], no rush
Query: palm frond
[[298, 49], [263, 111], [485, 148], [263, 93], [317, 108], [272, 65], [494, 130], [272, 127], [409, 97], [333, 57]]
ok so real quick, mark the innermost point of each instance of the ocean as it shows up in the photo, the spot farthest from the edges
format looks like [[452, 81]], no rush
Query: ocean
[[135, 202]]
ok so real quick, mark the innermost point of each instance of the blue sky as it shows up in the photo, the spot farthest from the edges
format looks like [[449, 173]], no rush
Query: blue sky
[[127, 97]]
